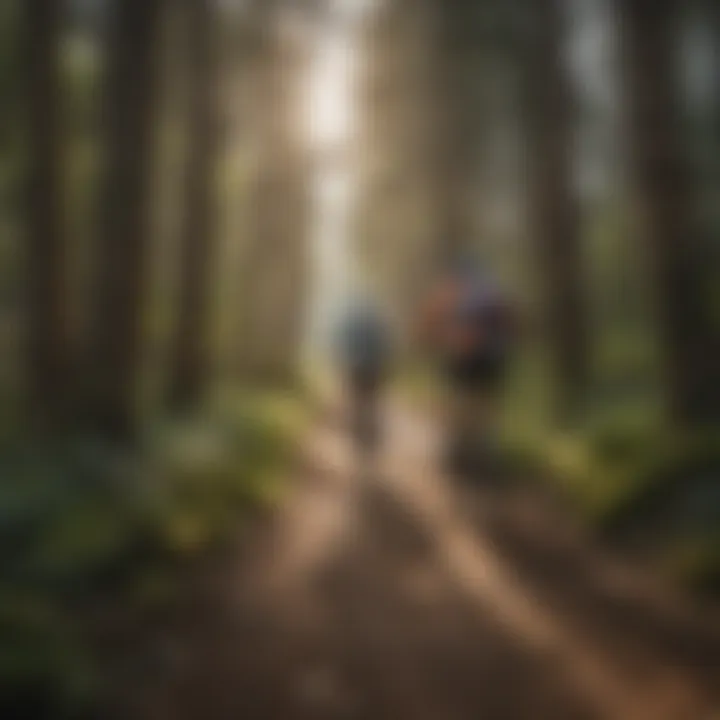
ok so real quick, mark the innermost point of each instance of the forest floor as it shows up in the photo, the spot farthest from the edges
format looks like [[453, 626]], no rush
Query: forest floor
[[410, 596]]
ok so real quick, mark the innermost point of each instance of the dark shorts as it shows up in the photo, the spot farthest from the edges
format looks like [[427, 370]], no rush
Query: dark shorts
[[481, 372], [365, 381], [365, 385]]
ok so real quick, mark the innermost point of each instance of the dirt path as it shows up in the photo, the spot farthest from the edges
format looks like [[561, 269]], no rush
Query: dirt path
[[407, 597]]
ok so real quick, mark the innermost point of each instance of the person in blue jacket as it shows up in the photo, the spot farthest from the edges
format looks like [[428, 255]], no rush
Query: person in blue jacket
[[363, 349]]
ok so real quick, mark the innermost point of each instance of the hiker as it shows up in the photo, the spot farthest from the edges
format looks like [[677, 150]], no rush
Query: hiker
[[363, 358], [467, 324]]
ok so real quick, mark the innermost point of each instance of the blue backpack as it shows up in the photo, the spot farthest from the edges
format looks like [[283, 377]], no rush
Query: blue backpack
[[364, 342]]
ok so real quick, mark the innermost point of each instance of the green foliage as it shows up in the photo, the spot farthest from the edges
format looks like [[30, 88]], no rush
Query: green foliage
[[638, 483], [632, 478], [85, 527]]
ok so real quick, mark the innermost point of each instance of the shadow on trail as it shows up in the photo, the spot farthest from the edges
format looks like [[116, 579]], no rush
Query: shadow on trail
[[638, 623], [377, 631], [404, 596], [414, 644]]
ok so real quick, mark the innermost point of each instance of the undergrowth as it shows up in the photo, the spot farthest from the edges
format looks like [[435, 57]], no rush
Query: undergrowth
[[86, 526]]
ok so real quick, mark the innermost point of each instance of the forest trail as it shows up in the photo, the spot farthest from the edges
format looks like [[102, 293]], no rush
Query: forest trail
[[409, 597]]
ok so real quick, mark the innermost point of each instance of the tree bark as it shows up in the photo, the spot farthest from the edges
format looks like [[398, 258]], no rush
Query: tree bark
[[125, 226], [47, 342], [191, 357], [553, 207], [276, 261], [664, 196], [456, 129]]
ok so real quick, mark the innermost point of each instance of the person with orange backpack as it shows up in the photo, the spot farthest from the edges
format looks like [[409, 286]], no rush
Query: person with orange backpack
[[468, 325]]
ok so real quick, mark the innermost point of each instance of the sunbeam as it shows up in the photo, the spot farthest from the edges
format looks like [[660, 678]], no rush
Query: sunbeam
[[331, 133]]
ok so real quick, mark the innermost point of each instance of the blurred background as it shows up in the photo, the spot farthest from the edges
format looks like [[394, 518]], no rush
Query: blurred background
[[190, 190]]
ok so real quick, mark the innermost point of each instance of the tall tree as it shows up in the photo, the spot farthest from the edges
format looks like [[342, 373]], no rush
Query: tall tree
[[264, 110], [125, 226], [664, 195], [47, 320], [275, 262], [549, 113], [395, 222], [190, 361], [456, 77]]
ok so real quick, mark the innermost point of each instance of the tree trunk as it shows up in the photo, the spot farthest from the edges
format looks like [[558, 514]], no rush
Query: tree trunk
[[46, 359], [399, 216], [191, 361], [456, 130], [554, 208], [664, 195], [125, 227], [275, 268]]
